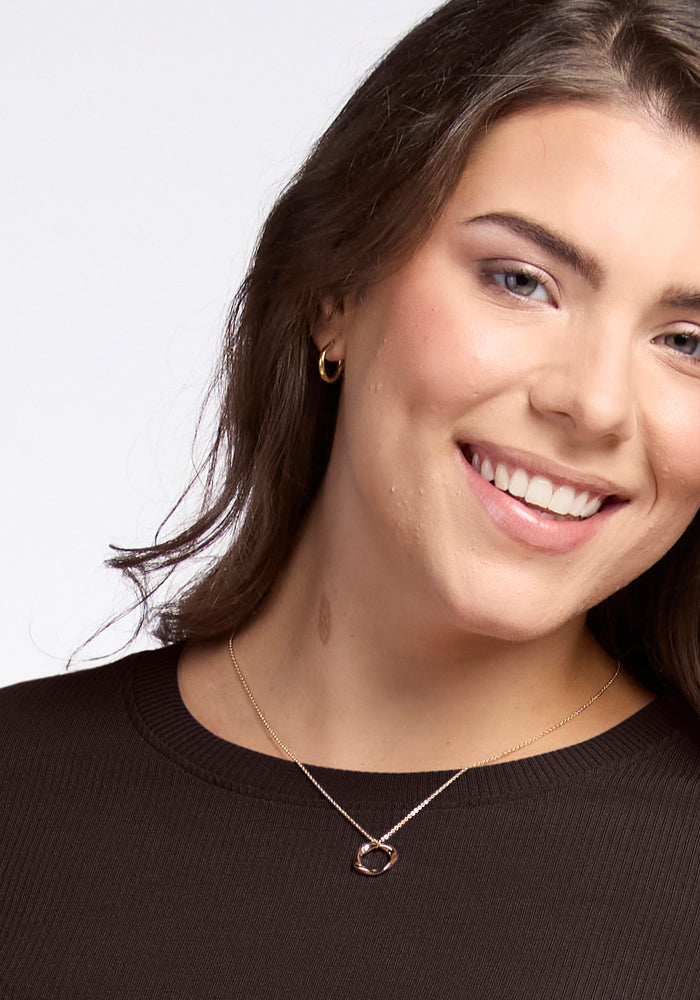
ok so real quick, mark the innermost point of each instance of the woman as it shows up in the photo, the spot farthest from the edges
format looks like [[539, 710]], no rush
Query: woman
[[457, 481]]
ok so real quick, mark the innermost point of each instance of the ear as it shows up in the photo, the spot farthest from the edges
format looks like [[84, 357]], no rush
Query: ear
[[331, 327]]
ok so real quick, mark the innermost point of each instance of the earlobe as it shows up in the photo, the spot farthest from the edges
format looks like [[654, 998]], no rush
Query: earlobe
[[328, 332]]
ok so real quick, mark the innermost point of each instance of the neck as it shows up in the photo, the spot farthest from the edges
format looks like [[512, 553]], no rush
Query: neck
[[350, 678]]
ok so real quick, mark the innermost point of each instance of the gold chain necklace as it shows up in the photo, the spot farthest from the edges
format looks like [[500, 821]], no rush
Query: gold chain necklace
[[380, 843]]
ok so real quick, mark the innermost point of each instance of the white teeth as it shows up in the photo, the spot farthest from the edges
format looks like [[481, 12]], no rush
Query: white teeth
[[592, 507], [562, 500], [539, 492], [502, 479], [519, 483], [579, 503], [553, 500]]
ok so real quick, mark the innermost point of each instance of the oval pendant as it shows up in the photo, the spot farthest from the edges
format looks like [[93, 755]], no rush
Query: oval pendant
[[391, 853]]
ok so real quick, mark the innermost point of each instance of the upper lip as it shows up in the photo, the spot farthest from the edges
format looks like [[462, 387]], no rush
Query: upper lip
[[537, 465]]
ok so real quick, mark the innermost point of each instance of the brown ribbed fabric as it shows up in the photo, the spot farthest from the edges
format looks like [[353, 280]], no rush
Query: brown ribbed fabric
[[143, 857]]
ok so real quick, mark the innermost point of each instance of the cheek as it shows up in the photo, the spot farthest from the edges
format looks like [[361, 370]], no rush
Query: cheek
[[444, 355], [675, 451]]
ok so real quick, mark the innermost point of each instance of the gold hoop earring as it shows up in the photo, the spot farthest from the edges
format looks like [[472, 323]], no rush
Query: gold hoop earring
[[322, 365]]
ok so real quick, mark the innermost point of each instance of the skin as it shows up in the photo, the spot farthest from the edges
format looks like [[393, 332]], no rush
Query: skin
[[409, 630]]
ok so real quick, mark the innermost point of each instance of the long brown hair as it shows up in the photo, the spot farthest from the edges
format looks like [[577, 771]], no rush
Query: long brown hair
[[369, 193]]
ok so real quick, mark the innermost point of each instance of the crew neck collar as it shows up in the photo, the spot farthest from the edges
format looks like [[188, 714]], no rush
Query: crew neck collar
[[159, 713]]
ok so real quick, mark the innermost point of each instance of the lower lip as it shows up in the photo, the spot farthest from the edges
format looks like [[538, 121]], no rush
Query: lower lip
[[523, 525]]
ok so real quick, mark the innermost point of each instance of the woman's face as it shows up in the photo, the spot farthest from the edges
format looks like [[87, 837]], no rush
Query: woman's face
[[548, 335]]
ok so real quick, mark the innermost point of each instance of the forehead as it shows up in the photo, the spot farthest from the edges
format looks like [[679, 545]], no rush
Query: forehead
[[613, 181]]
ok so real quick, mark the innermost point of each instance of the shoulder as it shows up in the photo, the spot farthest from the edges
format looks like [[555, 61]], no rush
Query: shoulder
[[671, 759], [71, 707]]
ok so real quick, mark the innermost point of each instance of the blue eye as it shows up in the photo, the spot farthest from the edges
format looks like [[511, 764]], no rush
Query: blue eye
[[522, 284], [684, 343]]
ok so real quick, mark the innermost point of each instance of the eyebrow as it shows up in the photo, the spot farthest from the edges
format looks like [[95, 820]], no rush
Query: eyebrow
[[578, 260], [679, 297]]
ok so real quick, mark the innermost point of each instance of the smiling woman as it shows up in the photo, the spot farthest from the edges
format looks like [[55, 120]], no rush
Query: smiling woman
[[555, 312], [456, 596]]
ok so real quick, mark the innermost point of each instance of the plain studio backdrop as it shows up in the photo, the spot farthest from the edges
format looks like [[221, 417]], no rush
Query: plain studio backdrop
[[143, 144]]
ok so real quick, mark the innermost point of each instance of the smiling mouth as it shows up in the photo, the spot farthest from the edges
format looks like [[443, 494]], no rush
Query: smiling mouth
[[555, 501]]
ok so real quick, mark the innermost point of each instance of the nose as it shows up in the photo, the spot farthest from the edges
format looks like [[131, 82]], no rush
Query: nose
[[587, 388]]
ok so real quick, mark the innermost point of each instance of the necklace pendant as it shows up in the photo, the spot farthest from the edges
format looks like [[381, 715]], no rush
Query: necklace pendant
[[374, 845]]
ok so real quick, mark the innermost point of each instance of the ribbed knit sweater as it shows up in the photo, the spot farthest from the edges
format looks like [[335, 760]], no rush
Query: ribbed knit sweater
[[143, 857]]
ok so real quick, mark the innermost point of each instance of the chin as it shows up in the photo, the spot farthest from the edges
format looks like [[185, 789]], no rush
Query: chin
[[521, 622], [518, 631]]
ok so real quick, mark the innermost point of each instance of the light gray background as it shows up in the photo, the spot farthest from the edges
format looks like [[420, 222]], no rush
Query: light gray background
[[143, 143]]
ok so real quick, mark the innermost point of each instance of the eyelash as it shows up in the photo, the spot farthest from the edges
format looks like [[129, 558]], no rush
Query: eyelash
[[498, 269]]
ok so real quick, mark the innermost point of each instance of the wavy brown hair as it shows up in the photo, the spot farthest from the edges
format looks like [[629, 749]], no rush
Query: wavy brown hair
[[368, 195]]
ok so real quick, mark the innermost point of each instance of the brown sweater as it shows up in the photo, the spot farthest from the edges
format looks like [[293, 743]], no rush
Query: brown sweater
[[143, 857]]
